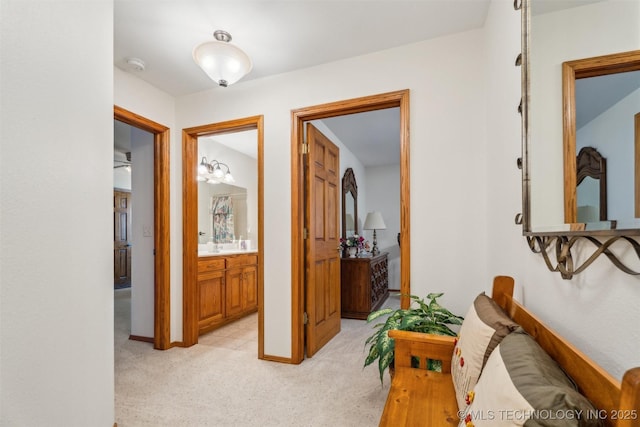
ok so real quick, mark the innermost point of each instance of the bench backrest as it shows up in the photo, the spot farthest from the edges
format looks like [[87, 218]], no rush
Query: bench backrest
[[618, 403]]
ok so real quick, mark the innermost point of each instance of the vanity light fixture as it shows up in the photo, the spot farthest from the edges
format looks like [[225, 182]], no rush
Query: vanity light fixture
[[222, 61], [212, 173], [374, 222]]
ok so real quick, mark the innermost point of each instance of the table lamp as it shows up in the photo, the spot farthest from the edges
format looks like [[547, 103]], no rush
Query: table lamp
[[374, 222]]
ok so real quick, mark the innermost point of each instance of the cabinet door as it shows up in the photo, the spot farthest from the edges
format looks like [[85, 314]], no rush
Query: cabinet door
[[234, 291], [210, 299], [250, 287]]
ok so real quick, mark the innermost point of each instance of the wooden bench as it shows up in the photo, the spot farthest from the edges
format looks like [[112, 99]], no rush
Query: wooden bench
[[418, 397]]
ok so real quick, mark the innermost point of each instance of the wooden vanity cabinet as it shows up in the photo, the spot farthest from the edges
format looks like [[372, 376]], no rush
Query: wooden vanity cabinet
[[241, 284], [227, 289], [364, 285]]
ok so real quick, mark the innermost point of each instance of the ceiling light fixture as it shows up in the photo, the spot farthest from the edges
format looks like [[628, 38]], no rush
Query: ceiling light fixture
[[213, 174], [224, 62]]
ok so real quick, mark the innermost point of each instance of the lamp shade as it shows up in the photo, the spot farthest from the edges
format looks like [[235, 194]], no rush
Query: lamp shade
[[374, 221], [222, 61]]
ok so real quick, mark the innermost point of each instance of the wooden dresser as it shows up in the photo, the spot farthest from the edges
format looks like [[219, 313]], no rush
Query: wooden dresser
[[364, 284]]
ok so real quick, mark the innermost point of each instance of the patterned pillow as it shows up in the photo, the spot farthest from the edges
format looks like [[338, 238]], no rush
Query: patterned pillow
[[522, 386], [484, 326]]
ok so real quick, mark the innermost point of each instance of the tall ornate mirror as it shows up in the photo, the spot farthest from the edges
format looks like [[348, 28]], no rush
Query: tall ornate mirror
[[349, 204], [580, 88], [591, 186]]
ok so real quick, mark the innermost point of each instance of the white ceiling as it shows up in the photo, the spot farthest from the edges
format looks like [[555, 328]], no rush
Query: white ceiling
[[282, 36], [278, 36]]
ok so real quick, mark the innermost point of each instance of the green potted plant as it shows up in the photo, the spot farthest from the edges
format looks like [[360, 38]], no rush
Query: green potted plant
[[426, 317]]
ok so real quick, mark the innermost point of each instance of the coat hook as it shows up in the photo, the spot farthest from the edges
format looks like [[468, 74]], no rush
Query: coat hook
[[519, 60], [518, 219], [517, 4]]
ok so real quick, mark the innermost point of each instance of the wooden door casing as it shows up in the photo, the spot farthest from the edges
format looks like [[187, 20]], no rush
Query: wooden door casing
[[322, 290], [121, 238]]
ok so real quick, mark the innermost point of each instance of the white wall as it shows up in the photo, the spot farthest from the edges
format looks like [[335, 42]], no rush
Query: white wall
[[139, 97], [597, 310], [384, 182], [56, 249], [447, 124], [142, 214]]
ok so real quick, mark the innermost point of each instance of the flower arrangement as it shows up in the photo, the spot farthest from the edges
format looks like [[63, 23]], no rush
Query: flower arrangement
[[352, 241]]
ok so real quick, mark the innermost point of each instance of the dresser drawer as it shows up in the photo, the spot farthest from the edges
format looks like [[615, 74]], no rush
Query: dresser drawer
[[240, 260], [210, 264]]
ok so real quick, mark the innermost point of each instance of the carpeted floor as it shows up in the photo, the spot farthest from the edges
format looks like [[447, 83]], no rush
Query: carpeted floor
[[221, 381]]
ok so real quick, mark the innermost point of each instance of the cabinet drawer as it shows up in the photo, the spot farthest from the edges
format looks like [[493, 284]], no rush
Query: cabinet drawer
[[210, 264], [241, 260]]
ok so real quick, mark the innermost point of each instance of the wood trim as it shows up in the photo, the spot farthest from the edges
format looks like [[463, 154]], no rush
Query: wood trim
[[161, 202], [571, 71], [298, 118], [190, 225], [141, 338]]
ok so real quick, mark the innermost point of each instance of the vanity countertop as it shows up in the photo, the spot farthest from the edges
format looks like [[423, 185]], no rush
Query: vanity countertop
[[226, 252]]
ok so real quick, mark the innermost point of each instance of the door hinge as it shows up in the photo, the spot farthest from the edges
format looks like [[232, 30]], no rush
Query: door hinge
[[305, 148], [305, 233], [305, 318]]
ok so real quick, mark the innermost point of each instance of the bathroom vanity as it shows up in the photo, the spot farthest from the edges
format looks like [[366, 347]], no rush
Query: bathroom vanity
[[227, 288]]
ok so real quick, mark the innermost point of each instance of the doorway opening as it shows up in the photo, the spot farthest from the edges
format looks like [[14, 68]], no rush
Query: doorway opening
[[231, 285], [161, 299], [299, 262]]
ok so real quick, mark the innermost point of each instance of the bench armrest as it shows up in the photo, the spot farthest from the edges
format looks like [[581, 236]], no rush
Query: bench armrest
[[423, 346]]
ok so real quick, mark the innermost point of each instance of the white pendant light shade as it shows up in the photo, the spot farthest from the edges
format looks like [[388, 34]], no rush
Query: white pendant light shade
[[223, 62]]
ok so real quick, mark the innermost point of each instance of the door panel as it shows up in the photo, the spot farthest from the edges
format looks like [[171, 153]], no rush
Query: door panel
[[121, 238], [210, 299], [322, 280]]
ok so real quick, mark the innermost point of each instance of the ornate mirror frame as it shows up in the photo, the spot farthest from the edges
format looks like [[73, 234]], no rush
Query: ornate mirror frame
[[556, 246], [349, 188], [591, 164]]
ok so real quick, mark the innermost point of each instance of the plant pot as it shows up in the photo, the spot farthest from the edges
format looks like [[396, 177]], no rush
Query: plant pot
[[353, 251]]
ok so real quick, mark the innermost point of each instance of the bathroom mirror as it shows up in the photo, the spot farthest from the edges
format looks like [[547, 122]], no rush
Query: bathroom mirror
[[349, 204], [574, 97], [227, 207]]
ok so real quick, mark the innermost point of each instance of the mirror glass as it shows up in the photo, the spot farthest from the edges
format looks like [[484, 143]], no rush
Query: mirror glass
[[228, 207], [605, 107], [349, 204]]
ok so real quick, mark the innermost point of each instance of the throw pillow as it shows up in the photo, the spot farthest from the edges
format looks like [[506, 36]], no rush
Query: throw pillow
[[522, 386], [484, 326]]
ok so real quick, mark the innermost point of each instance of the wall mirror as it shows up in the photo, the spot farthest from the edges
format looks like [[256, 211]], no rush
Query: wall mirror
[[581, 88], [349, 204], [227, 203]]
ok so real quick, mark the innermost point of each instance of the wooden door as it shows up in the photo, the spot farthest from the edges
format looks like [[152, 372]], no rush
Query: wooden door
[[322, 272], [121, 238]]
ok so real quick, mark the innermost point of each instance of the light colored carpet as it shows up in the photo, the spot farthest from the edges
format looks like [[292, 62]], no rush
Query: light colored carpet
[[221, 381]]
